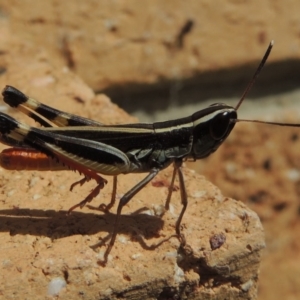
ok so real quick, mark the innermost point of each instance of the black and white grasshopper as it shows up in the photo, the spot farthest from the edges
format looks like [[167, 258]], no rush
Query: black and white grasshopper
[[73, 142]]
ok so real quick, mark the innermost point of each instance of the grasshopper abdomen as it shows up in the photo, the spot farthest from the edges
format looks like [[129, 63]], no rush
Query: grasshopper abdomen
[[29, 159]]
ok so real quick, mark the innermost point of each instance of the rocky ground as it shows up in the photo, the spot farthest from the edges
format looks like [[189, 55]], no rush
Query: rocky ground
[[157, 62]]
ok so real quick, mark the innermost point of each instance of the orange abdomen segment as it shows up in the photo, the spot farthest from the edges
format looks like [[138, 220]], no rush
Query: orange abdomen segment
[[28, 159]]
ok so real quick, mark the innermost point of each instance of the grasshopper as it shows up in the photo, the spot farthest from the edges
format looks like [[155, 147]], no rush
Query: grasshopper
[[72, 142]]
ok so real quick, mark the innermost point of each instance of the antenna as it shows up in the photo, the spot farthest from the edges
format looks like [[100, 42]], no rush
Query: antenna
[[260, 66]]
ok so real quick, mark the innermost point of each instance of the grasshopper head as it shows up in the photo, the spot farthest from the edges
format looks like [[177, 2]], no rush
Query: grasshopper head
[[211, 127], [213, 124]]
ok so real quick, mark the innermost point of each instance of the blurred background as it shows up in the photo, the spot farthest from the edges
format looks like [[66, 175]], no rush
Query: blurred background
[[160, 60]]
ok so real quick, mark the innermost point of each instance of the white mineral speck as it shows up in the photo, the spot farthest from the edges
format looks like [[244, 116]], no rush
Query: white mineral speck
[[123, 239], [36, 196], [171, 254], [247, 285], [10, 193], [3, 108], [230, 168], [179, 274], [293, 174], [55, 286], [148, 212], [198, 194], [159, 210], [136, 255], [172, 210]]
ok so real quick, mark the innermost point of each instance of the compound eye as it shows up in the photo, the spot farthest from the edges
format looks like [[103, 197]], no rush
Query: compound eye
[[219, 125]]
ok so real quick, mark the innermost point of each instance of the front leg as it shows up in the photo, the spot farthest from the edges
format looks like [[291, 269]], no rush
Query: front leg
[[123, 201], [184, 202]]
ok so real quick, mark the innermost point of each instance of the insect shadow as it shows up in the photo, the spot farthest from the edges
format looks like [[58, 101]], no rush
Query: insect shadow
[[137, 226]]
